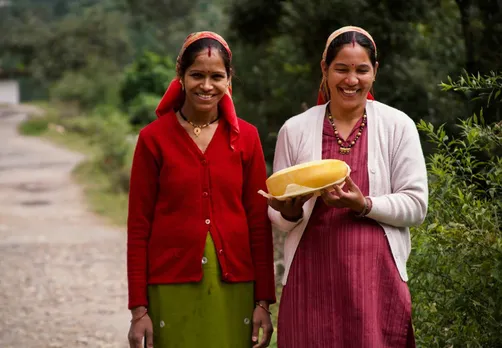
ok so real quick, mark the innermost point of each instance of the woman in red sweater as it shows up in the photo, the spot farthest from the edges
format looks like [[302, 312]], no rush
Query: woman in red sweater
[[200, 254]]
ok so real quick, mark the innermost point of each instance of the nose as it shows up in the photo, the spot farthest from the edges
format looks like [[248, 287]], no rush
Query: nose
[[206, 85], [351, 80]]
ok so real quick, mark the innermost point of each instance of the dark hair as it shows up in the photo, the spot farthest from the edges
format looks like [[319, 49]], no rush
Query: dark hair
[[191, 52], [348, 38]]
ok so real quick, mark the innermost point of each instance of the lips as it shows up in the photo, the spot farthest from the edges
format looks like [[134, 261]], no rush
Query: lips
[[205, 96], [348, 92]]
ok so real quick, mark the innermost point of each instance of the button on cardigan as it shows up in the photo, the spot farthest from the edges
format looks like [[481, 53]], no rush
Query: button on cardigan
[[179, 194]]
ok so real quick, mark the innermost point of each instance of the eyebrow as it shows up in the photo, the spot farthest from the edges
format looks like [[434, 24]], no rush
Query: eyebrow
[[205, 71], [364, 65]]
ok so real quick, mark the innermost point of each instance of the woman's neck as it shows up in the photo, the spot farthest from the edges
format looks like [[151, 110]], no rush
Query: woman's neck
[[346, 115], [197, 117]]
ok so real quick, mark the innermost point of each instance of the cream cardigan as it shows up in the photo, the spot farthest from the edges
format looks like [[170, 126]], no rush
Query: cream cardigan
[[396, 168]]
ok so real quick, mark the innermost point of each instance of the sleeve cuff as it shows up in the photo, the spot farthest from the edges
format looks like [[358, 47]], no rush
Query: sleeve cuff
[[281, 223]]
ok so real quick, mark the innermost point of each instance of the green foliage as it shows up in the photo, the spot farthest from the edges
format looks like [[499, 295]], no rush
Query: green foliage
[[145, 82], [456, 264], [34, 126], [142, 109], [277, 55], [64, 40], [488, 87], [106, 130], [269, 88], [96, 84], [162, 26], [115, 142], [49, 46], [456, 261]]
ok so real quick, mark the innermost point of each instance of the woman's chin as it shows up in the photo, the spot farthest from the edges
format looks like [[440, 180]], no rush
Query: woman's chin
[[205, 106], [347, 103]]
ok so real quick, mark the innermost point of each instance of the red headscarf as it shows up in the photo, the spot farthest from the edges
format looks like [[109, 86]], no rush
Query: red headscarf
[[175, 96], [323, 96]]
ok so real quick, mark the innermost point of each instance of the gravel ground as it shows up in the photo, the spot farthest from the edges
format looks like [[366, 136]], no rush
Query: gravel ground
[[62, 269]]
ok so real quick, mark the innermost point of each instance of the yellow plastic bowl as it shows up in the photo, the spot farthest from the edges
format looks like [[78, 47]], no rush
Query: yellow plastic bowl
[[314, 174]]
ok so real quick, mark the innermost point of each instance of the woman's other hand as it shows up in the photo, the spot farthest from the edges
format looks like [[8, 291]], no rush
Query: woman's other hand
[[261, 319], [338, 198], [141, 327], [292, 208]]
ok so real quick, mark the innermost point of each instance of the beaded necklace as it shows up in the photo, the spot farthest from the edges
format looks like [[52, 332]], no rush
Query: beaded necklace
[[346, 146]]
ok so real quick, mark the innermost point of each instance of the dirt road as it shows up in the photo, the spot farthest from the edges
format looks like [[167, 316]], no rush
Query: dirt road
[[62, 269]]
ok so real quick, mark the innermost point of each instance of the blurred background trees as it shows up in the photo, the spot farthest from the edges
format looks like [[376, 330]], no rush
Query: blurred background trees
[[106, 63]]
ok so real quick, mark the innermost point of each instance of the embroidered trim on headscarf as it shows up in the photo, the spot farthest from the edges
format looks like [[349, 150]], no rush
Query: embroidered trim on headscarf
[[323, 96], [175, 96]]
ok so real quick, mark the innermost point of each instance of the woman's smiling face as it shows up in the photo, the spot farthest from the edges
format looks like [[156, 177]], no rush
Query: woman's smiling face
[[350, 76], [206, 81]]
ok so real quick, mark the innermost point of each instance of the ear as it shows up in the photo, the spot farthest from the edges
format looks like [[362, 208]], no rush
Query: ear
[[376, 69], [324, 67]]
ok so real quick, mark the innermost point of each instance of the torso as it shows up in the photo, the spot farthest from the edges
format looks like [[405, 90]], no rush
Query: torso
[[337, 294]]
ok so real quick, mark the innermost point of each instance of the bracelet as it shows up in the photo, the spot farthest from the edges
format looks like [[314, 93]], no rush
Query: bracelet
[[366, 208], [262, 306], [134, 320]]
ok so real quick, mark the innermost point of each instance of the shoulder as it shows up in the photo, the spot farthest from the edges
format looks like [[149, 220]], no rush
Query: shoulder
[[389, 115], [305, 118], [246, 128], [249, 136], [156, 128]]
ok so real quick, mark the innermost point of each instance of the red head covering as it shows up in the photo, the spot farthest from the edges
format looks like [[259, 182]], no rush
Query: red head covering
[[323, 96], [175, 96]]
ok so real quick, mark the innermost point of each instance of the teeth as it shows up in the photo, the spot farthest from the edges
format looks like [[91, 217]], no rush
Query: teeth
[[349, 91], [205, 96]]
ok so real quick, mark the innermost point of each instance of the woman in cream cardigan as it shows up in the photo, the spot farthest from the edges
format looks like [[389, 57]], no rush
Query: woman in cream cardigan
[[346, 251]]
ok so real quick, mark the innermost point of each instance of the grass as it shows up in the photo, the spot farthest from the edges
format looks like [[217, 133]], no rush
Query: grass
[[34, 126], [101, 199], [96, 184]]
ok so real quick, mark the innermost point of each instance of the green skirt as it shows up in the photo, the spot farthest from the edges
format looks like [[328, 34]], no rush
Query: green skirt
[[209, 314]]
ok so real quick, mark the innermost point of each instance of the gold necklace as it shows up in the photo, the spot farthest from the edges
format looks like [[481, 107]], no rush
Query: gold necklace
[[345, 148], [196, 128]]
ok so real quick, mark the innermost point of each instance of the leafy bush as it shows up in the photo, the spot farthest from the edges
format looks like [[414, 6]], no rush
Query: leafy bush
[[142, 109], [96, 84], [113, 138], [456, 261], [34, 126], [145, 82], [109, 132]]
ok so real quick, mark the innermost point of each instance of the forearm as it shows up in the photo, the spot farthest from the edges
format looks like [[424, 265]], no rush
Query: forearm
[[137, 273], [398, 209], [262, 254]]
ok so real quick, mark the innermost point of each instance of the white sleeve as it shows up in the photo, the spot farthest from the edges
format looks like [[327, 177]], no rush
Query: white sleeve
[[284, 157], [407, 204]]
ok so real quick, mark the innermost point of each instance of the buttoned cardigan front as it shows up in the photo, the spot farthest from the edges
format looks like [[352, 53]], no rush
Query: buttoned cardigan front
[[178, 194]]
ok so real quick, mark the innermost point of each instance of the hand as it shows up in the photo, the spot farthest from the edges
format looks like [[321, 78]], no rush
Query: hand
[[291, 208], [261, 319], [352, 198], [139, 329]]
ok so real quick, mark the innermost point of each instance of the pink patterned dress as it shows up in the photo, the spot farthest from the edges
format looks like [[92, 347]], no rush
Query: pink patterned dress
[[343, 288]]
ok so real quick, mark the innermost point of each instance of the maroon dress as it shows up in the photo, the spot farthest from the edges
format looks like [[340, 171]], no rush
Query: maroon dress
[[343, 288]]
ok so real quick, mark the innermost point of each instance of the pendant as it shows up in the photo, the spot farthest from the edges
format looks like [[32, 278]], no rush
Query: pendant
[[344, 150], [196, 131]]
